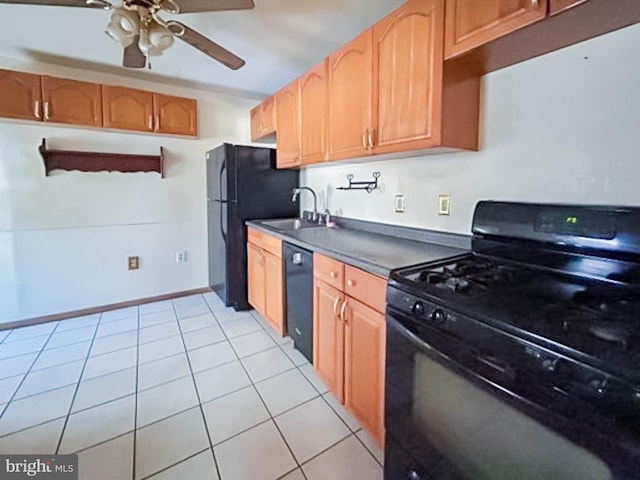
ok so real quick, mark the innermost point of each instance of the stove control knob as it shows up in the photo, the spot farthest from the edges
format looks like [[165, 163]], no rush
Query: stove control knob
[[599, 386], [418, 309], [438, 316]]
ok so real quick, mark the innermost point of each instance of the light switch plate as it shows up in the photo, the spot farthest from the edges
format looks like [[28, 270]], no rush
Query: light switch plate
[[400, 204], [444, 205]]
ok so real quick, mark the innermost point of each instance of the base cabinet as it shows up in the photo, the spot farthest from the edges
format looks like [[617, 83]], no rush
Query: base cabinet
[[265, 278], [349, 340], [365, 336]]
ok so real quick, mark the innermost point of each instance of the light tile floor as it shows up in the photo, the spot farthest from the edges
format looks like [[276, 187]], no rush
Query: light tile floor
[[173, 390]]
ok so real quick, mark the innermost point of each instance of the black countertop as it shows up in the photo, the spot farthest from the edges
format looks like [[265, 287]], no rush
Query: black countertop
[[375, 248]]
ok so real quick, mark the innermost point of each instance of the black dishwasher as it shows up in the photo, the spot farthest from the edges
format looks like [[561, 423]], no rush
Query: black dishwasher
[[299, 275]]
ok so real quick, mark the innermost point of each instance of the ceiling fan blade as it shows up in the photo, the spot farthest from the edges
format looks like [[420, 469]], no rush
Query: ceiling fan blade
[[193, 6], [205, 45], [61, 3], [133, 56]]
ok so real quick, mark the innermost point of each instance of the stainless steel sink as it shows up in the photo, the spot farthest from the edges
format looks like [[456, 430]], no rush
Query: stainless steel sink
[[289, 224]]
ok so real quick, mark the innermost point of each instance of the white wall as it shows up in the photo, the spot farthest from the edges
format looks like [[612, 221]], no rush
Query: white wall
[[559, 128], [64, 239]]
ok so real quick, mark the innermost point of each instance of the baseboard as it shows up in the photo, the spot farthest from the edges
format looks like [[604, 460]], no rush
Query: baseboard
[[104, 308]]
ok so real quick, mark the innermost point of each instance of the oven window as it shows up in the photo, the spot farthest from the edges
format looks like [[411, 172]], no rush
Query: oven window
[[483, 438]]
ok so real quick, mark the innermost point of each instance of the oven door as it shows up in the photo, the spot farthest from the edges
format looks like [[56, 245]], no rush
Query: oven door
[[446, 420]]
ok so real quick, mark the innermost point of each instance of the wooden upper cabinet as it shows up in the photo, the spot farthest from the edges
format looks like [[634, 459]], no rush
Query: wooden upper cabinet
[[72, 102], [313, 114], [328, 337], [288, 126], [268, 116], [175, 115], [350, 73], [408, 77], [263, 119], [472, 23], [559, 6], [127, 108], [365, 337], [20, 95]]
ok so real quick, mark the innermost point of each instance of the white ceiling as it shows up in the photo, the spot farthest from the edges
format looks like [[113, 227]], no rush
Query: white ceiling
[[279, 39]]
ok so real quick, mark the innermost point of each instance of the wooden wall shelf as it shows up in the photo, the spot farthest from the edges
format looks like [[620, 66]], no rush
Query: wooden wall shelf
[[100, 162]]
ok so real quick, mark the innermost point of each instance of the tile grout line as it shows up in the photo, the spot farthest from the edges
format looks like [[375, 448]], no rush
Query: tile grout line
[[135, 409], [75, 392], [271, 417], [195, 386], [6, 407]]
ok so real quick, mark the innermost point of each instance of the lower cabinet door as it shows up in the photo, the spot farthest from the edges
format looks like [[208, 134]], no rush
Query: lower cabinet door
[[328, 337], [274, 291], [365, 334], [256, 278]]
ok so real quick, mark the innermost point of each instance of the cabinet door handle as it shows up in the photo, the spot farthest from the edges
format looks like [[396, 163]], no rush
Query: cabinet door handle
[[36, 109], [150, 122], [370, 139], [335, 306], [364, 140], [342, 311], [351, 283], [157, 123], [535, 3], [333, 274], [46, 110]]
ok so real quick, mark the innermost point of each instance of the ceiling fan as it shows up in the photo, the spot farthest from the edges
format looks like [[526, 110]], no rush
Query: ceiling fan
[[138, 27]]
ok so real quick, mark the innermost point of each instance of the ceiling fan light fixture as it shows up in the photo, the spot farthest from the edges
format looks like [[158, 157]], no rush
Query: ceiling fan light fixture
[[124, 26], [160, 38]]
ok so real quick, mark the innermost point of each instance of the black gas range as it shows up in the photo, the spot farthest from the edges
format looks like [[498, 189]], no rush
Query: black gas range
[[521, 359]]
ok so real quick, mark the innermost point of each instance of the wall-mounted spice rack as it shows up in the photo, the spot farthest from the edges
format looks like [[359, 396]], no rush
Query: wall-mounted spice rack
[[100, 162], [369, 185]]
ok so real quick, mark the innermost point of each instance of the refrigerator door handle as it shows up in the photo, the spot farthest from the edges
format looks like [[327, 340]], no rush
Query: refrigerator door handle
[[223, 167]]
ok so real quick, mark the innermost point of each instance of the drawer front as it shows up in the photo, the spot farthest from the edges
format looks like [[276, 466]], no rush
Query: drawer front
[[368, 289], [269, 243], [328, 270]]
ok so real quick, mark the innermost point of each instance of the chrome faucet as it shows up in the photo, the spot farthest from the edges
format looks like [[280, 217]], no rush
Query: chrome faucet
[[296, 192]]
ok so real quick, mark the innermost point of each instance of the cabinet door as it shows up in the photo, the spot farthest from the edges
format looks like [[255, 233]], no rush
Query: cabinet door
[[268, 116], [288, 126], [559, 6], [256, 278], [313, 114], [350, 98], [256, 132], [274, 291], [127, 108], [472, 23], [328, 337], [175, 115], [72, 102], [408, 71], [365, 339], [20, 95]]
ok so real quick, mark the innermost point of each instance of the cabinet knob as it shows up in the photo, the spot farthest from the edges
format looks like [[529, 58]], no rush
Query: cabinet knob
[[333, 275], [351, 283]]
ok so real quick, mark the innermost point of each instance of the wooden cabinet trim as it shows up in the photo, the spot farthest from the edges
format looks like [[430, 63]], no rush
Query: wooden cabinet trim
[[369, 289], [313, 117], [329, 270], [267, 242]]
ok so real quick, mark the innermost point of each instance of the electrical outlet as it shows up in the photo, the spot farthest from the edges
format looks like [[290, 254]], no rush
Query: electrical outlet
[[181, 256], [134, 263], [444, 205], [400, 204]]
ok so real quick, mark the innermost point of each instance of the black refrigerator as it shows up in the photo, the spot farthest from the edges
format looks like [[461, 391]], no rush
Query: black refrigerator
[[242, 184]]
